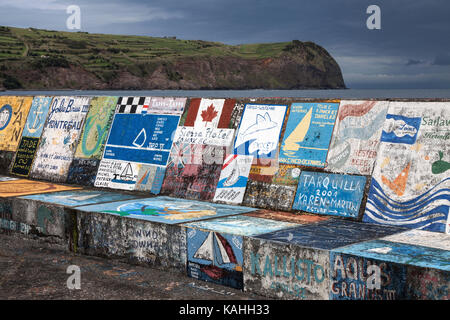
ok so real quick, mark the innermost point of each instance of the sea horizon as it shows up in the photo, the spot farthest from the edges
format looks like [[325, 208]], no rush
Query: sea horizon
[[255, 93]]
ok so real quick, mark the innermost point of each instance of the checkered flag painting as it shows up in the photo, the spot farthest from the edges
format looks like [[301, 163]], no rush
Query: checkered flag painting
[[133, 105]]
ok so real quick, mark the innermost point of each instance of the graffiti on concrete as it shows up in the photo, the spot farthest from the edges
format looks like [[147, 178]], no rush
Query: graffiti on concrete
[[269, 196], [285, 272], [356, 137], [410, 183], [13, 114], [308, 133], [332, 194], [209, 113], [59, 138]]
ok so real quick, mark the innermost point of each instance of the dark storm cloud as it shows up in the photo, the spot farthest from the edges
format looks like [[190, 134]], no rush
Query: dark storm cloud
[[368, 58]]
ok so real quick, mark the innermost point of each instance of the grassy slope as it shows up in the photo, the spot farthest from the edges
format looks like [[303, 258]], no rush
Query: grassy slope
[[103, 54]]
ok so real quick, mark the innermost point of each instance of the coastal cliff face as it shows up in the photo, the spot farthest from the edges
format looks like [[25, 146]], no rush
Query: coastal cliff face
[[39, 59]]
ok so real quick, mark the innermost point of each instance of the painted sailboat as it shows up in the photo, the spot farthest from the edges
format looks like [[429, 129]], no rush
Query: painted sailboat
[[291, 144], [224, 255], [140, 139]]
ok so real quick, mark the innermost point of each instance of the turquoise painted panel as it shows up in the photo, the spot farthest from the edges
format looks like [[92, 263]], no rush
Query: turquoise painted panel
[[79, 198]]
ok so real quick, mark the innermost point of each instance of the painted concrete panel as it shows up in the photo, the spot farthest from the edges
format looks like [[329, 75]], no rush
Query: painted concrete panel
[[193, 171], [83, 171], [241, 225], [211, 113], [259, 130], [330, 234], [269, 196], [299, 218], [59, 138], [356, 136], [410, 184], [401, 253], [233, 179], [331, 194], [357, 278], [140, 137], [421, 238], [139, 242], [166, 210], [308, 134], [215, 257], [79, 197], [285, 271], [46, 219], [427, 284], [37, 116], [287, 174], [13, 115], [22, 187]]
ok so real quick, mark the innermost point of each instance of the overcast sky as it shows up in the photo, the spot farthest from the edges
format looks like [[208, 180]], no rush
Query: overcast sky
[[412, 49]]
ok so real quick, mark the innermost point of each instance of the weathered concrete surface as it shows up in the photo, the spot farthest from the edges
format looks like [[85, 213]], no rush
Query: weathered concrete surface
[[285, 271], [6, 161], [136, 241], [407, 271], [35, 269]]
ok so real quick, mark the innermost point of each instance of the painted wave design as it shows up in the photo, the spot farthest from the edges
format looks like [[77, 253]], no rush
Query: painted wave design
[[429, 211]]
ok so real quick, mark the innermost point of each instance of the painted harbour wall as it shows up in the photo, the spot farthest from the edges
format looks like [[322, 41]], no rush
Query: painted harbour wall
[[303, 199]]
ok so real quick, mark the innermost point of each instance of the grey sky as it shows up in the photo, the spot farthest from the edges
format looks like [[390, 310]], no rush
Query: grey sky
[[412, 49]]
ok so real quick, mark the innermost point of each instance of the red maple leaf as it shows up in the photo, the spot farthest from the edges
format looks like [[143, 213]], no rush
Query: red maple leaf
[[209, 114]]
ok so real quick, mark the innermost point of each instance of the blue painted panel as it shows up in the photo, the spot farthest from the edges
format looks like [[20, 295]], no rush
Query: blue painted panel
[[166, 210], [241, 225], [330, 234], [145, 138], [331, 194], [308, 134], [79, 198], [400, 129], [215, 257], [357, 278], [36, 117]]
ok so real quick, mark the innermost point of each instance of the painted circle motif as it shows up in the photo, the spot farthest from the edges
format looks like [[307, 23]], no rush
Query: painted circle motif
[[5, 116]]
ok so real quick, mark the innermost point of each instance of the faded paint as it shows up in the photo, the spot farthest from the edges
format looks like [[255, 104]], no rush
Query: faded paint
[[59, 138], [331, 194], [356, 137], [193, 171], [215, 257], [79, 197], [308, 133], [298, 218], [233, 179], [13, 114], [410, 184], [285, 271], [357, 278], [269, 196], [165, 210], [422, 238], [139, 242], [330, 234], [22, 187], [242, 225]]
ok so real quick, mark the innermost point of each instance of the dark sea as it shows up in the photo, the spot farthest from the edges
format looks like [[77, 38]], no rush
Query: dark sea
[[319, 94]]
